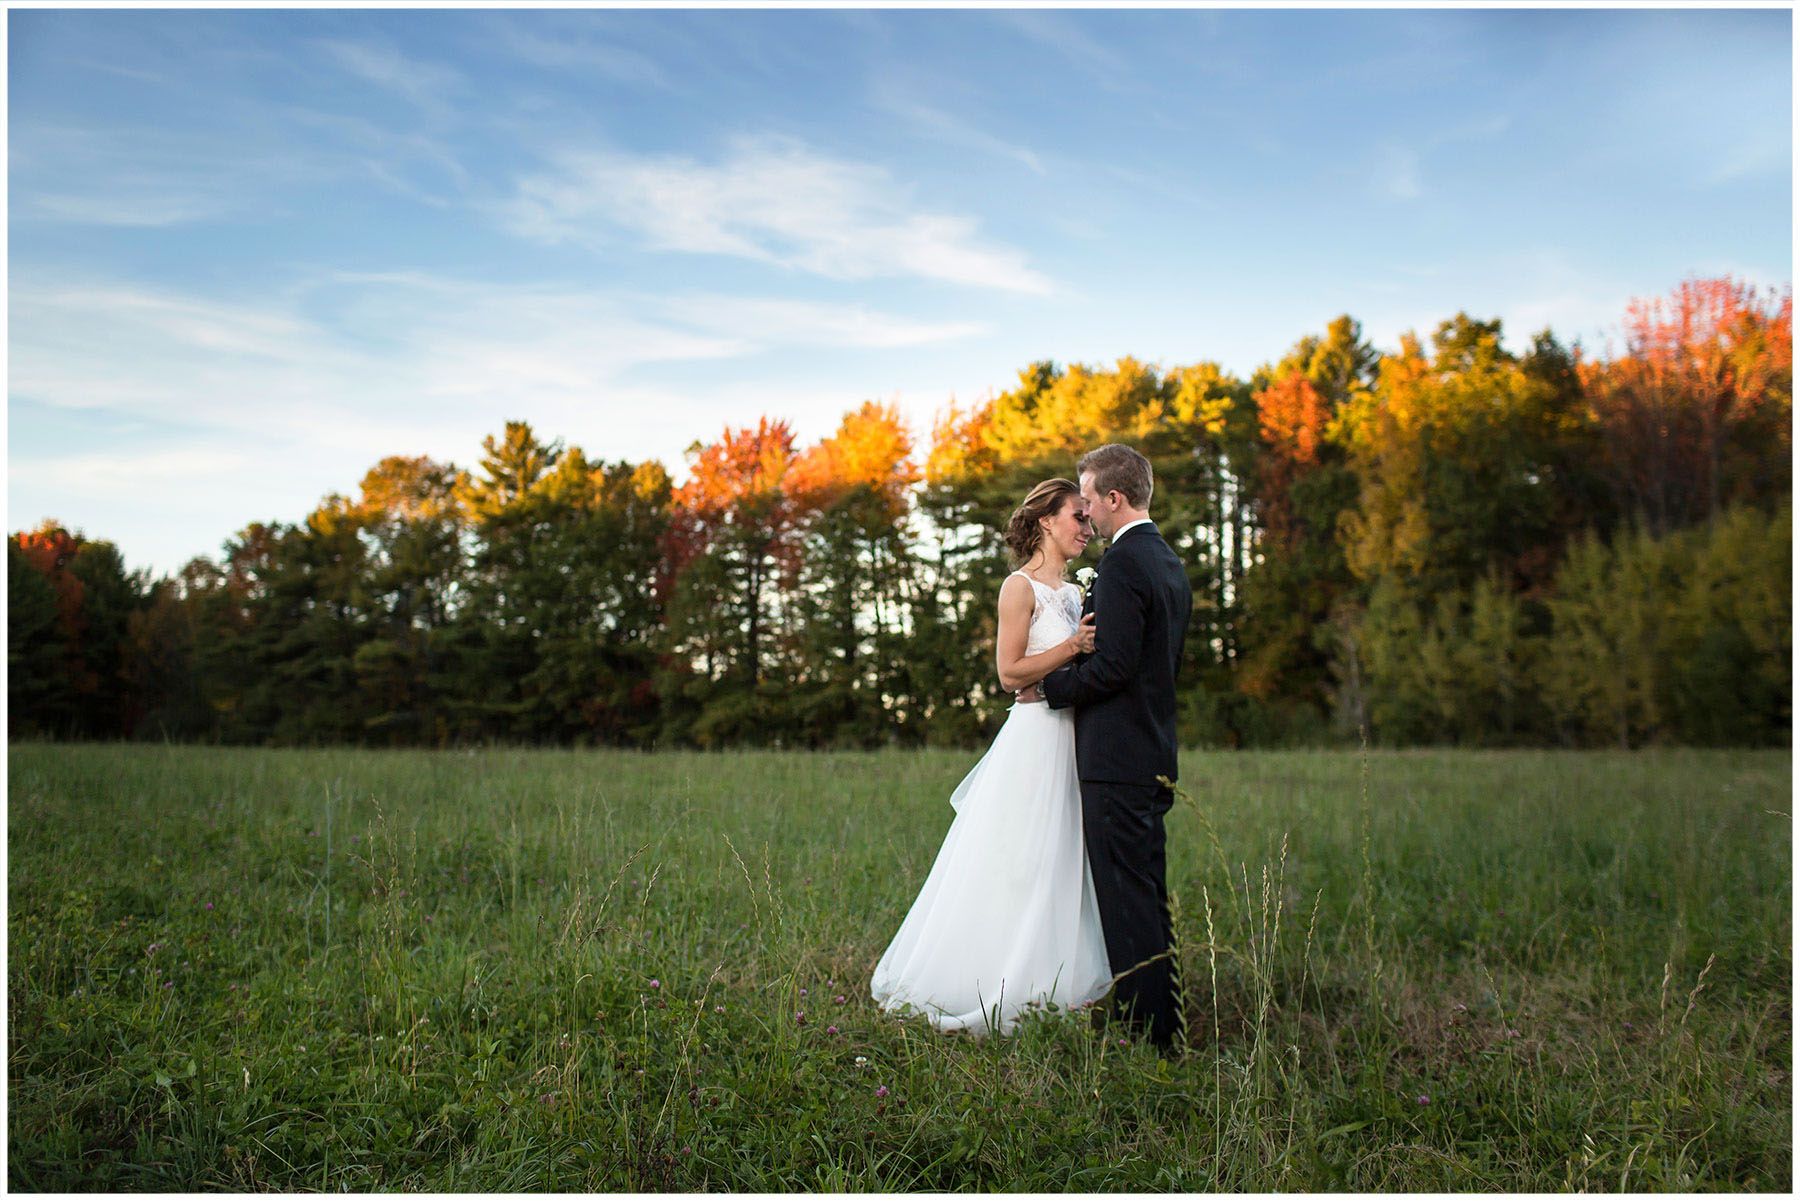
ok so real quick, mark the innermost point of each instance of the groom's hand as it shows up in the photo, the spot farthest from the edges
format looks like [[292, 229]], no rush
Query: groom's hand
[[1029, 695]]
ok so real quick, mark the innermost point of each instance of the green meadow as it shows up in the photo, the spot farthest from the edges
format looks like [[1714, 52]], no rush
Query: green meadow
[[591, 970]]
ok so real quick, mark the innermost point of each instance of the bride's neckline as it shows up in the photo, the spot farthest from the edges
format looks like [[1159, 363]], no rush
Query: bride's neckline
[[1022, 572]]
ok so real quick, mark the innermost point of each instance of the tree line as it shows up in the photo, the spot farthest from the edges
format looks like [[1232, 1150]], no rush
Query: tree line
[[1445, 543]]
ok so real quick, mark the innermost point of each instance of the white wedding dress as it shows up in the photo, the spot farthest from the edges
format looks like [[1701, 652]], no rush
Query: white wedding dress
[[1007, 916]]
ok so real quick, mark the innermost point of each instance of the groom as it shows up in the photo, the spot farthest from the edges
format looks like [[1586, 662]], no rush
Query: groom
[[1124, 699]]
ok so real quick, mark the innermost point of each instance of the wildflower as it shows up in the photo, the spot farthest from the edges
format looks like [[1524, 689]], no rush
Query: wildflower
[[209, 905], [829, 981], [839, 999], [1460, 1006], [800, 1018], [881, 1091], [1628, 1024], [655, 984], [718, 1009], [831, 1030], [1513, 1034], [862, 1062], [687, 1150], [1121, 1043], [1424, 1099], [803, 993]]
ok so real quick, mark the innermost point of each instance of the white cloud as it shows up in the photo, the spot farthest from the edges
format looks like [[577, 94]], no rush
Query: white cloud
[[128, 177], [1060, 33], [573, 50], [147, 208], [201, 414], [1397, 173], [1750, 157], [385, 361], [949, 128], [427, 85], [127, 476], [771, 200], [784, 322]]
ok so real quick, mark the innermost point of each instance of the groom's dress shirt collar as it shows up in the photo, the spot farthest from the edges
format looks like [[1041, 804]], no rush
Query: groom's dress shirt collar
[[1120, 533]]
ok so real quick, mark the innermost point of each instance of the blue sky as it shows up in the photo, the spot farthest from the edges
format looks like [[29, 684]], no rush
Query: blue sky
[[253, 252]]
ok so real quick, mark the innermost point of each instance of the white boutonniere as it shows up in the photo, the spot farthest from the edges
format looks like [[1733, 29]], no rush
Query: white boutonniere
[[1085, 578]]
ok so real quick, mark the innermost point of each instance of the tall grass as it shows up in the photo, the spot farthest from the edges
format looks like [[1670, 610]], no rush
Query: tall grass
[[611, 970]]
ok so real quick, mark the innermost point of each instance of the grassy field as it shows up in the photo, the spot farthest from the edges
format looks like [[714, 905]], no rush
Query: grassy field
[[526, 970]]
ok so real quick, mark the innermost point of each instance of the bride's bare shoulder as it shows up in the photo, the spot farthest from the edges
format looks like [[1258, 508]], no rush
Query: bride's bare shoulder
[[1016, 590]]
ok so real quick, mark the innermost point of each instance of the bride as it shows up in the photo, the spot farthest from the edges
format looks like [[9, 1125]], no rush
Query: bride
[[1007, 916]]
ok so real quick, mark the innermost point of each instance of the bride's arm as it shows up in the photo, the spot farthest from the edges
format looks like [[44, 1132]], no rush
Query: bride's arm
[[1018, 670]]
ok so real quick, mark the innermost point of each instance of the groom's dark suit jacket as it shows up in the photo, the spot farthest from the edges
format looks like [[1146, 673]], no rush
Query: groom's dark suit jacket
[[1124, 693]]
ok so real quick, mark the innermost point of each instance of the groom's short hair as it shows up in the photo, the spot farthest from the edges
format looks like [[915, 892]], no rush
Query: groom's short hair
[[1117, 466]]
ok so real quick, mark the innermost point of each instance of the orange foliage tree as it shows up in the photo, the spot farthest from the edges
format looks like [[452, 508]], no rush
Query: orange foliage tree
[[732, 538], [1695, 414], [1291, 416], [854, 488], [51, 550]]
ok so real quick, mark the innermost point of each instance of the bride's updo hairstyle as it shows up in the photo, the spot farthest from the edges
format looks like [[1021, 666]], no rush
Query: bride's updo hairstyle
[[1023, 534]]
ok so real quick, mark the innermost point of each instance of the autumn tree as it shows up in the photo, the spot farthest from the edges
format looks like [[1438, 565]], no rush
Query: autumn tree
[[1300, 587], [856, 579], [1453, 454], [71, 602], [1696, 413], [41, 637], [412, 518], [735, 545]]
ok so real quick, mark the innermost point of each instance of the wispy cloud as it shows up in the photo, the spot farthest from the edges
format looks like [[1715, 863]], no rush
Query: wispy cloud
[[1396, 173], [949, 128], [772, 200], [125, 177], [1755, 155], [348, 350], [427, 85], [143, 207], [770, 322], [576, 50], [1398, 169], [127, 476], [1058, 32], [265, 404]]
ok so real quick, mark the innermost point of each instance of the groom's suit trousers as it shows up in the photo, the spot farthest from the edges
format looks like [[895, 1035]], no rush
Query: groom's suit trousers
[[1123, 825]]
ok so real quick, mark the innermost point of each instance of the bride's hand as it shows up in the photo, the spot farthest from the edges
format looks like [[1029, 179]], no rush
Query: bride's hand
[[1083, 638]]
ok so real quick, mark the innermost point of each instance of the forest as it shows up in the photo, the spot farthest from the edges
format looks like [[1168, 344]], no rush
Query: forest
[[1448, 543]]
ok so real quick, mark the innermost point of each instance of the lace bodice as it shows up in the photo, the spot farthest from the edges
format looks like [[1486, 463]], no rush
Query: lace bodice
[[1054, 617]]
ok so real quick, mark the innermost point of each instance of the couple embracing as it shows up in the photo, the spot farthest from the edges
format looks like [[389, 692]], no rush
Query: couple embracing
[[1050, 887]]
